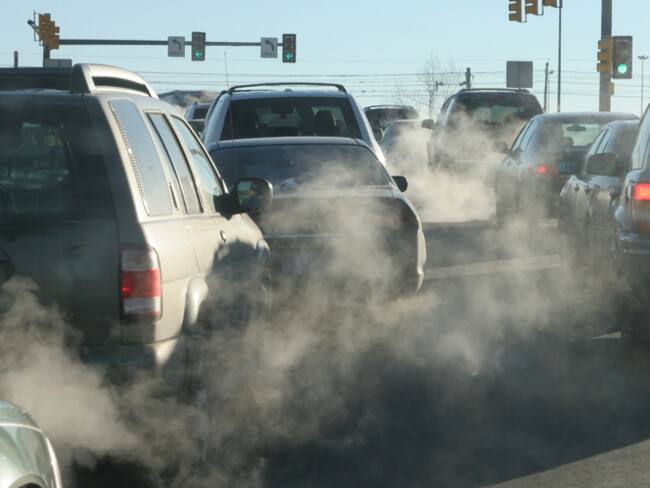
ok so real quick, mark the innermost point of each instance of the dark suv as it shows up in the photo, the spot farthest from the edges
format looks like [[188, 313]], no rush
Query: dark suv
[[471, 121], [109, 202]]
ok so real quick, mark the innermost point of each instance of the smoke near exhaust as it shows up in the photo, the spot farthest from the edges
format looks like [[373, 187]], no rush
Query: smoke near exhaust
[[344, 385]]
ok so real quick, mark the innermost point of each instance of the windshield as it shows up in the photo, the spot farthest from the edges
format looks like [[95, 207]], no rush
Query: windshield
[[554, 136], [291, 166], [290, 116], [501, 108], [50, 165]]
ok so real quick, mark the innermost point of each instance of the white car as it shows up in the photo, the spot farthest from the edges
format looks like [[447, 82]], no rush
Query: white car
[[280, 110], [27, 459]]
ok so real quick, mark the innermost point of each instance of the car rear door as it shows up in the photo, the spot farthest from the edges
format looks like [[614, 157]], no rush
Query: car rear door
[[57, 218]]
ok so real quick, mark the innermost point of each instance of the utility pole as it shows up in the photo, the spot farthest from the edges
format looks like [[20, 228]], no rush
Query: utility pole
[[546, 73], [643, 59], [605, 98], [468, 78], [15, 59], [559, 58]]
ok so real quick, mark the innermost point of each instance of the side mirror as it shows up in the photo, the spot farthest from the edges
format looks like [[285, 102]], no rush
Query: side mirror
[[427, 124], [501, 147], [378, 133], [604, 164], [251, 194], [401, 182]]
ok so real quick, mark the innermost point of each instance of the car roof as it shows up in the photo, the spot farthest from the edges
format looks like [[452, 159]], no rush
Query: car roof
[[293, 141], [585, 117], [624, 124], [492, 91], [264, 94]]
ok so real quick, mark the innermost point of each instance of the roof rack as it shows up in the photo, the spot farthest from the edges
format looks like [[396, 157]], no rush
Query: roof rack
[[81, 78], [516, 90], [233, 89], [388, 106]]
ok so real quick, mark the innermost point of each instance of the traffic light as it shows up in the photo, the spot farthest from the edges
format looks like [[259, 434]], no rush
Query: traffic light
[[198, 46], [516, 14], [288, 48], [550, 3], [622, 57], [48, 32], [604, 56], [533, 8]]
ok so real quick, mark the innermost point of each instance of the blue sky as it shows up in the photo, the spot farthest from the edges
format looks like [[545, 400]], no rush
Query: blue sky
[[378, 46]]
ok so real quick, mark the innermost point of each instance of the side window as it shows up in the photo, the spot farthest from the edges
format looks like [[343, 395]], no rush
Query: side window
[[205, 170], [527, 137], [144, 158], [641, 147], [180, 167], [520, 137]]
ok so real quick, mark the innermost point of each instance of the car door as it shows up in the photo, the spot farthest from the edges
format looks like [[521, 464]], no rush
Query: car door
[[607, 187], [505, 179], [583, 185]]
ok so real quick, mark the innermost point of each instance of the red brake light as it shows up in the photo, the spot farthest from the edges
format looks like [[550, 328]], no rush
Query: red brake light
[[140, 283], [546, 169], [641, 192]]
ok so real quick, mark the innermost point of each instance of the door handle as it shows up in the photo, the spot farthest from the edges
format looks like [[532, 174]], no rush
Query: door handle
[[224, 236]]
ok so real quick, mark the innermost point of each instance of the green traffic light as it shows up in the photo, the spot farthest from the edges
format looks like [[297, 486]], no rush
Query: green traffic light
[[622, 68]]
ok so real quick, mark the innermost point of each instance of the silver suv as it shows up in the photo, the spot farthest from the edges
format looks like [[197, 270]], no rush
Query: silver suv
[[264, 110], [110, 203]]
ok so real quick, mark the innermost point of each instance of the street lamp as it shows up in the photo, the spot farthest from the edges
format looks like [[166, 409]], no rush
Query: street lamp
[[643, 59]]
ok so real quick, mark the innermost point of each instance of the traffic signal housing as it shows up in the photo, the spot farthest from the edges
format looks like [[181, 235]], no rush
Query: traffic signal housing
[[516, 13], [550, 3], [48, 32], [622, 57], [198, 46], [604, 56], [288, 48], [533, 8]]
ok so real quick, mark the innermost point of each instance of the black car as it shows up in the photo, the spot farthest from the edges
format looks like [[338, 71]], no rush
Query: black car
[[336, 212], [586, 199], [471, 121], [629, 236], [546, 152]]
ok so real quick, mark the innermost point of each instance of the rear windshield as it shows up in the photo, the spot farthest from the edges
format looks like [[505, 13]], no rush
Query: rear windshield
[[496, 108], [281, 117], [289, 166], [50, 164], [565, 136], [382, 117], [200, 112]]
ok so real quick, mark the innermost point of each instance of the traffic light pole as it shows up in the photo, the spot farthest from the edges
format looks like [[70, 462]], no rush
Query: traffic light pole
[[559, 58], [140, 42], [605, 98]]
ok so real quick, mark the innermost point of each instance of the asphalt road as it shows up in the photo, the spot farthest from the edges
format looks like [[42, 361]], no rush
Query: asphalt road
[[503, 372]]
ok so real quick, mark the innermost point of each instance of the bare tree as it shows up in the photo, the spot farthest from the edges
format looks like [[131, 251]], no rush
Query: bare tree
[[434, 85]]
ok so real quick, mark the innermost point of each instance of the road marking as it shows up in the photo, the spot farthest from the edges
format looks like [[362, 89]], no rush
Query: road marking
[[492, 267]]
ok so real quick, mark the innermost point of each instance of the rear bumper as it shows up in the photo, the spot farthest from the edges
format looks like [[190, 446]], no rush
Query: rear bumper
[[124, 363]]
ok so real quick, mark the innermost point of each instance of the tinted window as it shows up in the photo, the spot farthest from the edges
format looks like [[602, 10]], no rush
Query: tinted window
[[641, 146], [525, 140], [496, 108], [50, 164], [279, 117], [180, 168], [208, 179], [144, 157], [565, 135], [291, 166], [623, 143]]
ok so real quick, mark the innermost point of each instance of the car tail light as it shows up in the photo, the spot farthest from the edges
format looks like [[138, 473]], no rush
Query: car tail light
[[641, 206], [546, 169], [140, 283]]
